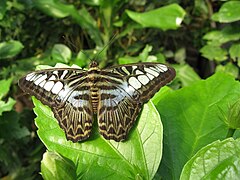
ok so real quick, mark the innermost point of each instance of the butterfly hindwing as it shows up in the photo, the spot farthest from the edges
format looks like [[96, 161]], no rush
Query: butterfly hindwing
[[75, 117], [60, 90], [117, 111]]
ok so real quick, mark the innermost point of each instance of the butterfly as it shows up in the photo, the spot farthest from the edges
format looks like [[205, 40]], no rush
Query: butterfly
[[116, 95]]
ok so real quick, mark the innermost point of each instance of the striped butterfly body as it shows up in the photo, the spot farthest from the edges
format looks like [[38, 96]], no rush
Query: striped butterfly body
[[115, 94]]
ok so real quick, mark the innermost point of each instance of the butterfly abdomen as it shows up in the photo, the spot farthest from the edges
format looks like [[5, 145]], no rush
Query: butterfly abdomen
[[94, 91], [94, 98]]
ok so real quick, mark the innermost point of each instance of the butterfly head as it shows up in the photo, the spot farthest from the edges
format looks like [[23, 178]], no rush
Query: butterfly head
[[93, 64]]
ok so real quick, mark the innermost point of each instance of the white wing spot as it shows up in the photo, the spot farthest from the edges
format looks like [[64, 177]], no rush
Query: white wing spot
[[55, 72], [48, 86], [52, 78], [154, 68], [30, 76], [42, 83], [64, 74], [40, 78], [134, 67], [151, 77], [64, 92], [130, 90], [162, 68], [143, 79], [138, 72], [78, 102], [125, 70], [150, 71], [57, 87], [134, 82]]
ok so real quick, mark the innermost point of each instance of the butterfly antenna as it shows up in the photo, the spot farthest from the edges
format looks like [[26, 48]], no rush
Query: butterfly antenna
[[109, 43], [76, 48], [69, 42]]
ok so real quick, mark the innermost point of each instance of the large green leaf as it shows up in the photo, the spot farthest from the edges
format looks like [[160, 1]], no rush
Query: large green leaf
[[3, 8], [191, 119], [4, 88], [219, 160], [10, 49], [234, 51], [55, 167], [10, 127], [218, 37], [167, 17], [186, 75], [97, 158], [228, 68], [229, 12], [82, 16], [6, 106], [61, 53], [213, 52]]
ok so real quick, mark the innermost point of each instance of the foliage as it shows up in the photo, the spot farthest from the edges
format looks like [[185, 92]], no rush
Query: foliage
[[199, 38], [191, 120], [220, 160]]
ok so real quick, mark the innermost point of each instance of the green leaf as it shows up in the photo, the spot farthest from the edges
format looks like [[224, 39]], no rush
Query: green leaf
[[85, 20], [92, 2], [165, 18], [186, 75], [82, 60], [53, 166], [218, 37], [54, 8], [180, 55], [143, 56], [200, 7], [191, 120], [218, 160], [10, 49], [213, 52], [162, 93], [82, 16], [11, 128], [128, 60], [229, 12], [4, 87], [97, 158], [228, 68], [61, 53], [3, 9], [232, 116], [6, 106], [234, 51]]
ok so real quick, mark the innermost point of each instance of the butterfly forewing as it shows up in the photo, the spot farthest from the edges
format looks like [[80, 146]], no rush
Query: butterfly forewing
[[143, 80], [59, 89], [115, 94]]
